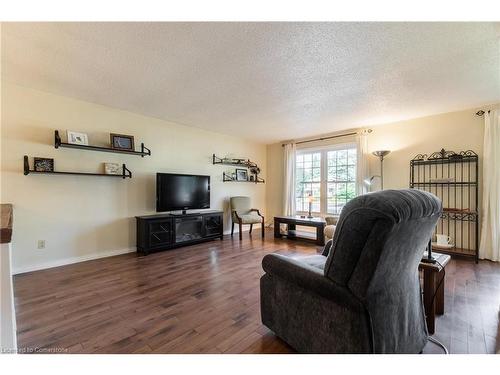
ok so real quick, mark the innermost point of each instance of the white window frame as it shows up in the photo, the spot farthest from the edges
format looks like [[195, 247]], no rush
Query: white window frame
[[324, 172]]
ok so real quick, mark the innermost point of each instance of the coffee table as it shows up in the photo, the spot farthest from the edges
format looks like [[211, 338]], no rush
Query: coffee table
[[292, 233]]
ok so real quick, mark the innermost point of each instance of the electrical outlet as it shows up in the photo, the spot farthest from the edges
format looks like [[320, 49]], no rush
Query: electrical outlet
[[41, 244]]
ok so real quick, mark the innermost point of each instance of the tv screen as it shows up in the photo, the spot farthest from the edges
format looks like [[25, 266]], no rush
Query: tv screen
[[182, 192]]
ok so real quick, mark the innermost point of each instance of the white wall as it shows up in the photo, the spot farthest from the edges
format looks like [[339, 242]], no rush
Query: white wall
[[81, 217], [454, 131], [8, 339]]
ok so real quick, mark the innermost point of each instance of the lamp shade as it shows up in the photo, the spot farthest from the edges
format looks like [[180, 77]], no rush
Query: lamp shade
[[381, 153]]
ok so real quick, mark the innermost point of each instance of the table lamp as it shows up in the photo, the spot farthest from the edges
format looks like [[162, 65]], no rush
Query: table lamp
[[310, 200]]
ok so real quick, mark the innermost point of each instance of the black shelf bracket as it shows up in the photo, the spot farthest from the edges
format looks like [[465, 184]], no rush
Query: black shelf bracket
[[145, 151], [57, 139], [26, 165], [226, 177], [126, 172]]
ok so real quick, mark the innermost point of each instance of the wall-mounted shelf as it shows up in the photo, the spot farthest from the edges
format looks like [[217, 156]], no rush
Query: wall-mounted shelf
[[126, 173], [234, 162], [228, 178], [58, 143], [245, 163]]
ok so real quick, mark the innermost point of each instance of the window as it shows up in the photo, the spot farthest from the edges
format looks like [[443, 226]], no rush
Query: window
[[341, 179], [308, 177], [329, 175]]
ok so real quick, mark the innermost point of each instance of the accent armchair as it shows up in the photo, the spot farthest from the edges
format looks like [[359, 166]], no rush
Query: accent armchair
[[242, 213], [331, 224], [362, 295]]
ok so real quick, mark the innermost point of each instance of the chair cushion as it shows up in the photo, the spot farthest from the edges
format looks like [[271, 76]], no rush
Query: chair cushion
[[329, 231], [331, 220], [317, 261], [250, 219], [240, 203]]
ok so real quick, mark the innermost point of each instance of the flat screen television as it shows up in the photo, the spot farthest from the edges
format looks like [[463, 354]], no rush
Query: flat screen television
[[182, 192]]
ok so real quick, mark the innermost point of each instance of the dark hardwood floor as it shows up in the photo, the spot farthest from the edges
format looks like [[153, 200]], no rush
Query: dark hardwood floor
[[205, 299]]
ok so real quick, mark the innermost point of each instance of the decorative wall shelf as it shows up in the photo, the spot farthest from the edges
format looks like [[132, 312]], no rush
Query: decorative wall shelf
[[126, 173], [228, 178], [244, 163], [58, 143]]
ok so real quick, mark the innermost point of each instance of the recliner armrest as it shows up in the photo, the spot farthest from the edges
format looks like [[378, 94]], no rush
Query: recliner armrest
[[309, 278]]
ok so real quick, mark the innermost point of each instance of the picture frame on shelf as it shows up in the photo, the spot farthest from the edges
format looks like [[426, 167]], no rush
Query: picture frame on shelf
[[43, 164], [77, 138], [122, 142], [112, 168], [241, 174]]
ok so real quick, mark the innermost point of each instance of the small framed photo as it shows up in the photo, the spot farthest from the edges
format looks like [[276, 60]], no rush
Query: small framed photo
[[122, 142], [241, 175], [112, 168], [78, 138], [44, 165]]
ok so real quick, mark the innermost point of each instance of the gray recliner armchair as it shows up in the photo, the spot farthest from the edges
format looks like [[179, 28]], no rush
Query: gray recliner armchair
[[362, 295]]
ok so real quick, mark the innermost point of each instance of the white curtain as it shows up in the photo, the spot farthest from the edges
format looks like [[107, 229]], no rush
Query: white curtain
[[490, 233], [289, 151], [362, 172]]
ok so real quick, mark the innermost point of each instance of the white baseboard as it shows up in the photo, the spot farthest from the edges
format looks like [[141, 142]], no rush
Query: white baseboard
[[65, 261], [83, 258]]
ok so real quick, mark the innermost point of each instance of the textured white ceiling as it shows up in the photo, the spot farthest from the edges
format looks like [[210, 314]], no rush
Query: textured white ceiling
[[262, 81]]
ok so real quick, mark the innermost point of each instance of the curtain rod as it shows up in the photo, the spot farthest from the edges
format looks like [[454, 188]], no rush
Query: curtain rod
[[481, 112], [324, 138]]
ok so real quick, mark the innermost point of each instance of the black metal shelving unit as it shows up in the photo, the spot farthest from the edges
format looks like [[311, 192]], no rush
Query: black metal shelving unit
[[58, 143], [453, 177], [126, 173]]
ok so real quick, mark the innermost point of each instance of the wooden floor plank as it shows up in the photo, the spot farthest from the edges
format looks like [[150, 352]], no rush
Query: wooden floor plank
[[205, 299]]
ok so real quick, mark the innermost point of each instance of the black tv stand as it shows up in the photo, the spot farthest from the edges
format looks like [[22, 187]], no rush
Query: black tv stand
[[168, 231]]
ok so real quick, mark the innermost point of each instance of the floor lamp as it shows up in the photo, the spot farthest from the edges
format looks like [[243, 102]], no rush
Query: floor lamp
[[381, 154]]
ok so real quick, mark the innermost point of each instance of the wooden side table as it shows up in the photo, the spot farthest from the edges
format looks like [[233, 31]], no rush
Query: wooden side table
[[6, 222], [433, 274]]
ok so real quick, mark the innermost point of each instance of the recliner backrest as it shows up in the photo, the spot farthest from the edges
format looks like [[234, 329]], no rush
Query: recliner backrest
[[380, 229], [377, 246]]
